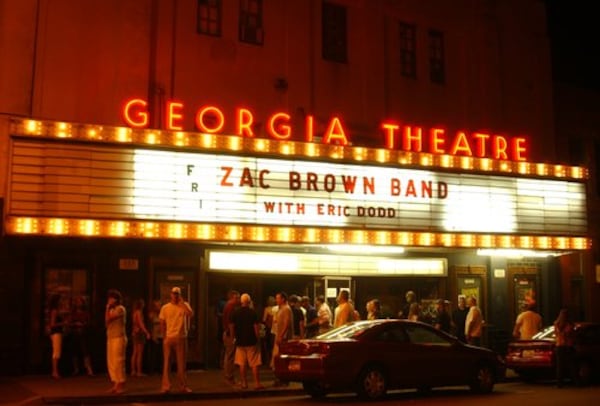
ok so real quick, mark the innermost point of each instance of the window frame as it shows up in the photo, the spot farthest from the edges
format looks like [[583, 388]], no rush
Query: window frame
[[437, 68], [209, 6], [408, 49], [334, 32], [250, 24]]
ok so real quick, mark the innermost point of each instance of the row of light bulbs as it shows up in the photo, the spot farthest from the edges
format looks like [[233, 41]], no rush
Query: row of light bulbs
[[194, 140], [277, 234]]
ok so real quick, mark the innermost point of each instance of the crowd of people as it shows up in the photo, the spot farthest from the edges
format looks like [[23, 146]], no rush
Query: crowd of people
[[250, 341], [164, 336]]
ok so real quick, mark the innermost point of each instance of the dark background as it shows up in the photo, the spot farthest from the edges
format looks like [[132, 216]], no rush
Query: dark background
[[573, 31]]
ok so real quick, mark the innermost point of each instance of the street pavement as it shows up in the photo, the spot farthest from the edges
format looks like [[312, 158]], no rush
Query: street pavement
[[31, 390], [206, 384]]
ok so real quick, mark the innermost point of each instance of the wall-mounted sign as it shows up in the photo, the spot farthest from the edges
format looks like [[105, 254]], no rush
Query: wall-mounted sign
[[129, 264], [436, 140], [66, 180]]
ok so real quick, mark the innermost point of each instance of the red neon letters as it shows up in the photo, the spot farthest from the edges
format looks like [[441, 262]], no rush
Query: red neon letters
[[211, 119]]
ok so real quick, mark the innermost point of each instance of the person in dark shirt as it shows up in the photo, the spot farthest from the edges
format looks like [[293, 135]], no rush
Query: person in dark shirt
[[233, 300], [311, 328], [297, 317], [459, 317], [411, 298], [442, 318], [245, 331]]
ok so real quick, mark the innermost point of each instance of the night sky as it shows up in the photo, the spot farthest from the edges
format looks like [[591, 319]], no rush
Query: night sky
[[572, 27]]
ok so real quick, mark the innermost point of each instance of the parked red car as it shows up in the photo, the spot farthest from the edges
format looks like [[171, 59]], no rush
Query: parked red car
[[535, 358], [370, 357]]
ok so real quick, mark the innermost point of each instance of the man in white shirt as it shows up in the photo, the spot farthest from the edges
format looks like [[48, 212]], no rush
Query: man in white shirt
[[344, 312], [474, 323], [528, 323], [324, 314], [174, 322]]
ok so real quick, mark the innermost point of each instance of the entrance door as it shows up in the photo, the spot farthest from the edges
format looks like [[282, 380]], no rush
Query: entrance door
[[330, 287], [525, 292]]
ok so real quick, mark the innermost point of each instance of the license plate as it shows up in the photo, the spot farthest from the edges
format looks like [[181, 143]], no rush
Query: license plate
[[528, 353], [294, 366]]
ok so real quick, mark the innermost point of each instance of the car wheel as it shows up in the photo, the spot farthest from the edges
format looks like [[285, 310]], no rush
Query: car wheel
[[483, 380], [372, 383], [583, 373], [314, 389]]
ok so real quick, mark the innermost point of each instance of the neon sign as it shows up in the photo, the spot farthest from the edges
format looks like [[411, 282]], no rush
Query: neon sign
[[211, 119]]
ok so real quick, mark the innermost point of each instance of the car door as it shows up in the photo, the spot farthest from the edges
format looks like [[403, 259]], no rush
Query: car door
[[437, 359], [391, 346]]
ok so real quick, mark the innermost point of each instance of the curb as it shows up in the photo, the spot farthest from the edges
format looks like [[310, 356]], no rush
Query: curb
[[169, 397]]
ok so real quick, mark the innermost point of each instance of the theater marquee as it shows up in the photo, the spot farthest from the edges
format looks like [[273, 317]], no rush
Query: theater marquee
[[116, 182]]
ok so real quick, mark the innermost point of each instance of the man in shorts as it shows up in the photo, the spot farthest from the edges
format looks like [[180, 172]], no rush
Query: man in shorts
[[244, 329]]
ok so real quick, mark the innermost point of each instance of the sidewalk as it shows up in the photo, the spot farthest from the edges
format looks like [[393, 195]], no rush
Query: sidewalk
[[206, 384]]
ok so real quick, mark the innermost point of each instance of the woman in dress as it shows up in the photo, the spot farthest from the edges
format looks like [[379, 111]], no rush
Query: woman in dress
[[139, 335], [56, 325], [116, 340]]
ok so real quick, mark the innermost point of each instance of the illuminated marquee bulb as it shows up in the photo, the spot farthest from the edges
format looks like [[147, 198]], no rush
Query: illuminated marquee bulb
[[63, 130], [27, 225], [234, 143], [176, 231], [284, 234], [382, 155], [359, 153], [358, 237], [523, 168], [33, 127], [542, 242], [309, 235], [525, 242], [486, 164], [466, 162], [426, 160], [260, 144], [382, 238], [152, 137], [58, 226], [485, 241], [446, 161], [286, 148], [181, 139], [542, 169], [89, 227], [118, 228], [123, 134], [559, 171]]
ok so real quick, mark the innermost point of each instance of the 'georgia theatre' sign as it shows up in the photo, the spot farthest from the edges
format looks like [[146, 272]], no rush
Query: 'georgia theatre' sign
[[211, 119]]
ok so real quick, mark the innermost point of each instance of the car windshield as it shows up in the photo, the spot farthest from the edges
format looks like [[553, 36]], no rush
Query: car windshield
[[350, 330], [545, 334]]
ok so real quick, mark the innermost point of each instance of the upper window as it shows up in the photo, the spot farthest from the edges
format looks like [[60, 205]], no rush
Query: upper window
[[209, 17], [251, 22], [408, 50], [334, 32], [436, 57]]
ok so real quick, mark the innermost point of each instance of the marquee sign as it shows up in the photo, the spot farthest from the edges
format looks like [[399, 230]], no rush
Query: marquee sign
[[65, 180]]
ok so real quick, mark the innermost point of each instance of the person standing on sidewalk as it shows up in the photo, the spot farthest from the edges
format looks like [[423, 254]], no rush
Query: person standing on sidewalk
[[528, 323], [245, 332], [233, 301], [116, 340], [563, 330], [174, 321], [139, 335], [56, 328], [285, 329], [473, 323]]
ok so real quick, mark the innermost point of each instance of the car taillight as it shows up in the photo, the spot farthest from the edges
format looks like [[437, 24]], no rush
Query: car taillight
[[322, 348], [546, 354]]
